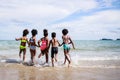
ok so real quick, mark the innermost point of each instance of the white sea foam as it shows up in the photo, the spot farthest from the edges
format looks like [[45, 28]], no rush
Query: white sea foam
[[3, 61], [98, 58]]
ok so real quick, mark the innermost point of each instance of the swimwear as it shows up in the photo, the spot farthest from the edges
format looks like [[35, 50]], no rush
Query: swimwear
[[33, 47], [66, 47], [54, 50], [23, 40], [43, 45], [31, 40], [21, 46]]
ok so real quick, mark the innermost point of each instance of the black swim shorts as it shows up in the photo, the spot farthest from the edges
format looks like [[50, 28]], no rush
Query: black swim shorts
[[54, 50]]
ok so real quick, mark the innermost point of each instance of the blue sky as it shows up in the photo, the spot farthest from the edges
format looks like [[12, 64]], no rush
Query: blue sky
[[85, 19]]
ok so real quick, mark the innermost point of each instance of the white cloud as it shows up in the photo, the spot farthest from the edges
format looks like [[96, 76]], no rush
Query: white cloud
[[94, 26], [19, 14], [42, 11]]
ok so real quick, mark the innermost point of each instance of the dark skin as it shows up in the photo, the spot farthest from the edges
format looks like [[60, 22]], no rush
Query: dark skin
[[55, 43], [66, 52], [33, 52], [23, 44], [44, 51]]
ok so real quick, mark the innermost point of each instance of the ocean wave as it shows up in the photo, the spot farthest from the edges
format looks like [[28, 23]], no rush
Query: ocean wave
[[100, 58], [98, 48], [87, 58], [97, 66]]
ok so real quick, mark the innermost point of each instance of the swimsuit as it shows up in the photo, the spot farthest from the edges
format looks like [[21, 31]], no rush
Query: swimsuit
[[54, 50], [66, 47], [32, 46], [31, 40], [43, 45], [21, 46]]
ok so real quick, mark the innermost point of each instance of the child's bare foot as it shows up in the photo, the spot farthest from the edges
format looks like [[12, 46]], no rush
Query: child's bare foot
[[52, 65], [63, 64]]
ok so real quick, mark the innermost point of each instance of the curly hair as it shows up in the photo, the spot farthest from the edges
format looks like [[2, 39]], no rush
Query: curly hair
[[34, 32], [25, 32], [45, 32], [53, 34], [65, 31]]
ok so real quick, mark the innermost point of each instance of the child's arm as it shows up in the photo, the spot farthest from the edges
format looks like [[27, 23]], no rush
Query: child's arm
[[17, 39], [71, 42], [35, 42], [39, 42], [28, 42], [62, 42], [58, 43], [49, 44]]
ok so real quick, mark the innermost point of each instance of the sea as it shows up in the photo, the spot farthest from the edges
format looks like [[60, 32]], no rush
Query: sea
[[87, 53]]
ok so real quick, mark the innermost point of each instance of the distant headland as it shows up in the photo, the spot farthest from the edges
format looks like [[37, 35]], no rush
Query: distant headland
[[109, 39], [118, 39], [105, 39]]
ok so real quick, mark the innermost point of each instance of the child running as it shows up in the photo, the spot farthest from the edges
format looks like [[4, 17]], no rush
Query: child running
[[44, 45], [66, 41], [32, 45], [54, 49], [23, 40]]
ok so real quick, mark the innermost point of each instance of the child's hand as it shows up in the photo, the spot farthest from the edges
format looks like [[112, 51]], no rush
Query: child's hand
[[60, 45], [38, 45], [16, 39]]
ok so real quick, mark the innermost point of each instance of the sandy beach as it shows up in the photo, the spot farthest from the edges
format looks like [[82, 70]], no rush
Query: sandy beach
[[15, 71]]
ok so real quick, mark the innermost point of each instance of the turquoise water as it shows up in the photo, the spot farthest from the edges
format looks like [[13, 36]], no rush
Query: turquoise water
[[98, 49], [85, 49], [87, 53]]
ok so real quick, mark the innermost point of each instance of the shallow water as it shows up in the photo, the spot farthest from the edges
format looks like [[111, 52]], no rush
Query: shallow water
[[88, 53]]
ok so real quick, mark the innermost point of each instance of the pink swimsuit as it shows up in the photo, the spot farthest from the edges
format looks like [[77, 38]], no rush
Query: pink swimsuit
[[43, 45]]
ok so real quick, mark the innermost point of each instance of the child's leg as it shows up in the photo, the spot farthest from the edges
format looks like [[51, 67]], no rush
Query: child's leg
[[34, 53], [31, 51], [56, 57], [68, 55], [52, 56], [65, 57], [46, 56], [39, 56], [52, 59], [24, 53], [68, 58], [20, 53]]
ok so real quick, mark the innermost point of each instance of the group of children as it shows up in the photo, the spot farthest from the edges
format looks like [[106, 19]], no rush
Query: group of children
[[44, 44]]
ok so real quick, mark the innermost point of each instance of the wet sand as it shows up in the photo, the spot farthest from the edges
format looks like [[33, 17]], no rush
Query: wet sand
[[15, 71]]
